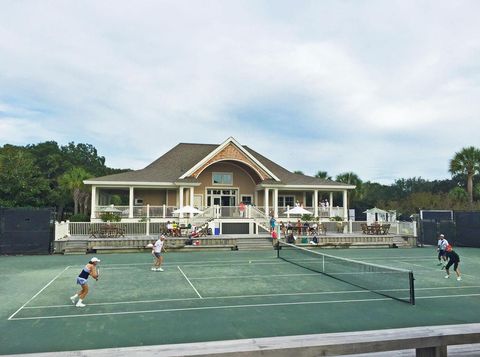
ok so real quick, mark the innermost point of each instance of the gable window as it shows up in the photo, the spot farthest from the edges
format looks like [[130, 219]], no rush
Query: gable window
[[222, 178]]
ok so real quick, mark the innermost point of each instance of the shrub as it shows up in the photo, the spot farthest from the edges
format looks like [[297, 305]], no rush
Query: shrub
[[79, 217], [110, 217]]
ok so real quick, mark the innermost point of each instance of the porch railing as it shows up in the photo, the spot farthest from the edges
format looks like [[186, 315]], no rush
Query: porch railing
[[66, 229], [165, 211]]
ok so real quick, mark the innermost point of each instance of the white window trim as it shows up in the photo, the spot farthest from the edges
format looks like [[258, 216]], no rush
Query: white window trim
[[222, 184]]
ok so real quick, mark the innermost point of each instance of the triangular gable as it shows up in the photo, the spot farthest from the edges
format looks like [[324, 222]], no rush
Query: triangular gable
[[230, 150]]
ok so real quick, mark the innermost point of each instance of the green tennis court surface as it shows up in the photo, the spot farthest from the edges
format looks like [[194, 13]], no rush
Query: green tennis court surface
[[209, 296]]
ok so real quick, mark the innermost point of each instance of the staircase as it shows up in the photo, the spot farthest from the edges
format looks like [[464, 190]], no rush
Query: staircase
[[401, 242], [263, 242], [76, 247]]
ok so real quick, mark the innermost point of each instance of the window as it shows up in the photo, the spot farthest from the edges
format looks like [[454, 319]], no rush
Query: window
[[222, 178], [284, 201], [247, 199]]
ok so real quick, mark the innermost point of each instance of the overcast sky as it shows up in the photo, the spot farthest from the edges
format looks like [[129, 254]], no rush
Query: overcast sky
[[386, 89]]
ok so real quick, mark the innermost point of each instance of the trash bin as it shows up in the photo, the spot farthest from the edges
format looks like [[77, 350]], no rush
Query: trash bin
[[217, 231]]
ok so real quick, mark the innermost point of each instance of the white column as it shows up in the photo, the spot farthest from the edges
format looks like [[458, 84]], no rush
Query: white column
[[330, 204], [180, 197], [345, 205], [130, 202], [265, 201], [191, 200], [275, 202], [315, 203], [147, 221], [93, 206]]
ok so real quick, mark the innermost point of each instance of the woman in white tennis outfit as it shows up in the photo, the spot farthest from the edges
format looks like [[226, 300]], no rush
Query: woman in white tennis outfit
[[157, 252]]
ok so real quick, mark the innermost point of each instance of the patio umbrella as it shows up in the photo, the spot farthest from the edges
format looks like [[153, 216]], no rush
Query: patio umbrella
[[297, 210], [187, 209], [111, 209]]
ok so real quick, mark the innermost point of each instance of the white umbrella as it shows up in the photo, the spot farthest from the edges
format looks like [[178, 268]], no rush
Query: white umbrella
[[111, 209], [297, 210], [187, 209]]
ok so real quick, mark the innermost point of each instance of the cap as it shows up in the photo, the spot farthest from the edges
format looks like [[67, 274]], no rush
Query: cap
[[94, 259], [441, 235]]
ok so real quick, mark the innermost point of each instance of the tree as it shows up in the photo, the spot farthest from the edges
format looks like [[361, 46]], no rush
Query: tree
[[298, 172], [467, 162], [323, 175], [21, 181], [351, 178], [72, 181]]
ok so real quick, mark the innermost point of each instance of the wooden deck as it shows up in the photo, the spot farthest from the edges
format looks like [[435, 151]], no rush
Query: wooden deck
[[85, 244]]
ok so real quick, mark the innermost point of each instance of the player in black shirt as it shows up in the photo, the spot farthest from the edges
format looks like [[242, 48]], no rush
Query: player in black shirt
[[453, 259]]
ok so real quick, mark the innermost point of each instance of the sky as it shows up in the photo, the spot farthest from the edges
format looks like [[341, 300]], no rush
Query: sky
[[384, 89]]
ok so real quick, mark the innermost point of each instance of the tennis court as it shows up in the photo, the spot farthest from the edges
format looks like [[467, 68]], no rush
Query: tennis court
[[219, 295]]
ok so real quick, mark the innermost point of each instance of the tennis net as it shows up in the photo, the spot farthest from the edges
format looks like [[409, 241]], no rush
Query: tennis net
[[391, 282]]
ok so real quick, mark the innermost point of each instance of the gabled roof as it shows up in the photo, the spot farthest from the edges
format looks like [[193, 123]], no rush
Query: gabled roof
[[175, 166]]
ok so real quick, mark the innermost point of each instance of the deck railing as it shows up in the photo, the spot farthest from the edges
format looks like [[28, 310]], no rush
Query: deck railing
[[164, 211], [147, 227]]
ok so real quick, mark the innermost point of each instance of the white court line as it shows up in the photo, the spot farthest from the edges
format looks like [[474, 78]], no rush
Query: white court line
[[203, 308], [235, 264], [431, 268], [235, 307], [199, 262], [181, 271], [251, 296], [34, 296]]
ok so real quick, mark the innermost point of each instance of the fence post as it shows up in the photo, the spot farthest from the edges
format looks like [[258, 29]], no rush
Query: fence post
[[164, 209], [398, 227]]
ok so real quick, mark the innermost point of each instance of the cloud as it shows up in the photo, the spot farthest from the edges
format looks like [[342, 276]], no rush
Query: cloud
[[386, 90]]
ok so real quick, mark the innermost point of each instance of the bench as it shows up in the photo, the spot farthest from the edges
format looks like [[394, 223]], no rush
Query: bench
[[208, 246], [107, 231], [425, 341]]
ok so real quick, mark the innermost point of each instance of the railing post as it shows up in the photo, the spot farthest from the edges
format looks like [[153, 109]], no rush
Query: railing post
[[164, 210], [147, 228]]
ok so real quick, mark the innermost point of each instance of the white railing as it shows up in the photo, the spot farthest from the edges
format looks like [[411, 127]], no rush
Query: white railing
[[260, 217], [323, 212], [61, 230], [66, 229], [165, 211]]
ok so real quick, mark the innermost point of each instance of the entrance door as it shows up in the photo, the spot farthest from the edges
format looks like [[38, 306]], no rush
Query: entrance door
[[222, 197]]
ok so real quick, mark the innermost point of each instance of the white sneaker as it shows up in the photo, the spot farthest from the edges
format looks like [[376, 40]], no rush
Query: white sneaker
[[159, 269], [79, 304], [72, 299], [153, 269], [447, 276], [459, 278]]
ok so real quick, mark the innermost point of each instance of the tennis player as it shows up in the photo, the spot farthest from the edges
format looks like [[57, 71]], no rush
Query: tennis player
[[157, 251], [89, 269], [454, 260], [442, 249]]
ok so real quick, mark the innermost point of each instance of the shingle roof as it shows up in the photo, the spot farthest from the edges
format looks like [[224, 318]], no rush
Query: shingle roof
[[173, 164]]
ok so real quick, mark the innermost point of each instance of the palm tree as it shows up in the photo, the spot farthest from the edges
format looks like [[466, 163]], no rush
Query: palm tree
[[467, 162], [323, 175], [72, 181], [352, 179]]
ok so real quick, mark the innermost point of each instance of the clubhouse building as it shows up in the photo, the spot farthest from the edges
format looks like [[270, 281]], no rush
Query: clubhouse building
[[229, 182]]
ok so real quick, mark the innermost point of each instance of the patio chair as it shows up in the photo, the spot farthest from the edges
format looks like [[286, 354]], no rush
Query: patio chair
[[385, 228]]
